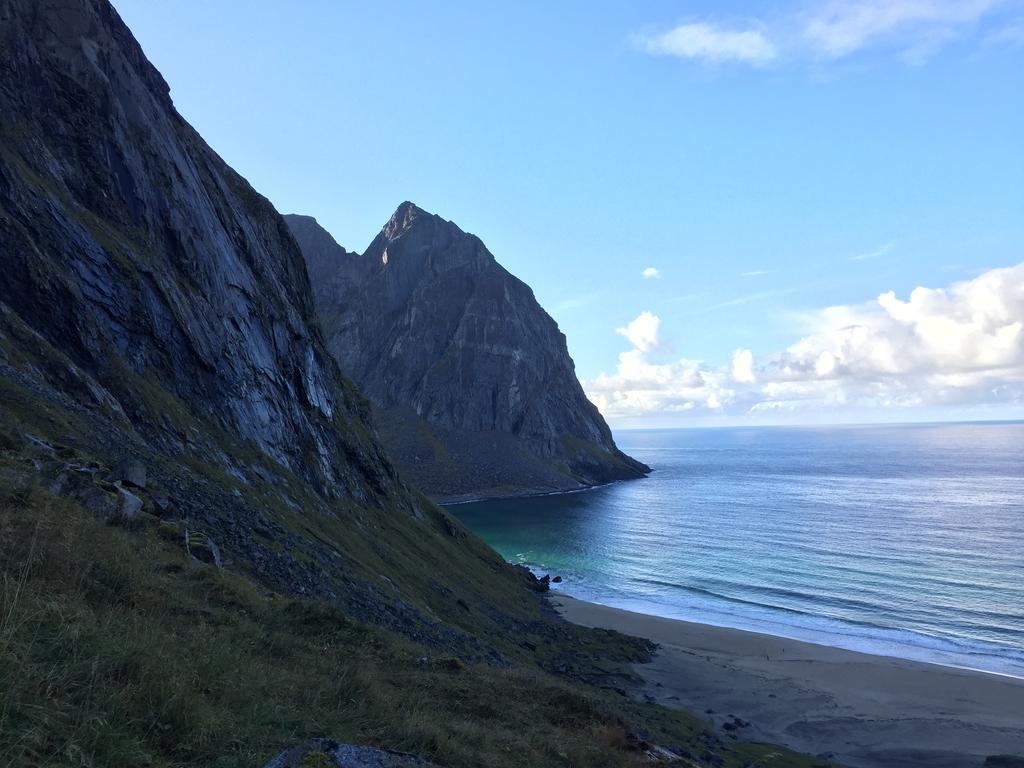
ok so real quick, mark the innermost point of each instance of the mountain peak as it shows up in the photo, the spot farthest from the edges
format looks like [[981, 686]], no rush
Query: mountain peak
[[417, 239], [472, 378], [404, 218], [409, 208]]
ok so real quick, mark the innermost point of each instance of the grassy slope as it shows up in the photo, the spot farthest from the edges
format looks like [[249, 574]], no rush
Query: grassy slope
[[116, 649]]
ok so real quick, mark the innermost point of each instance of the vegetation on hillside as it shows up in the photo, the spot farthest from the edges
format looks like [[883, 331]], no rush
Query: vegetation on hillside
[[116, 648]]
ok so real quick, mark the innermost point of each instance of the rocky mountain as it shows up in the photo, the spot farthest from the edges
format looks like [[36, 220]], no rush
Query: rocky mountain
[[155, 310], [474, 384]]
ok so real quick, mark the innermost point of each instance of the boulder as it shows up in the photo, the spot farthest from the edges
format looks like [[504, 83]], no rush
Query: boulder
[[202, 548], [163, 506], [104, 504], [658, 754], [327, 753], [129, 472], [129, 504], [532, 582], [71, 481]]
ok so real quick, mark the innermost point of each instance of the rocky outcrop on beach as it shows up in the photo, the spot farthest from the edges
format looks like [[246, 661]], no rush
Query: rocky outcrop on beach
[[476, 390]]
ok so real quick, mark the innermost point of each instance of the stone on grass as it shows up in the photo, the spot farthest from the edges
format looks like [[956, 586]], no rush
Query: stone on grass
[[102, 503], [129, 472], [327, 753], [202, 548], [130, 504]]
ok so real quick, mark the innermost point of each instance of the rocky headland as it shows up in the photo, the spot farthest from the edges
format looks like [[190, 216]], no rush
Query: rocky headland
[[473, 383]]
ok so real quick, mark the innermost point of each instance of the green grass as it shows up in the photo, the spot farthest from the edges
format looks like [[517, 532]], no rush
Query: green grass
[[115, 649]]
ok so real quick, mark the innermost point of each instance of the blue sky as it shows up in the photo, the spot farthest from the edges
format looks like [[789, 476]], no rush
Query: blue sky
[[769, 164]]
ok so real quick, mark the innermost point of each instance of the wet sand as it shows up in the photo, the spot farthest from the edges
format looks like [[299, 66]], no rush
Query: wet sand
[[865, 711]]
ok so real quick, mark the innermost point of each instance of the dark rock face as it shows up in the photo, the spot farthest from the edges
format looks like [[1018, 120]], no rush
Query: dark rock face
[[130, 472], [154, 307], [129, 245], [476, 387]]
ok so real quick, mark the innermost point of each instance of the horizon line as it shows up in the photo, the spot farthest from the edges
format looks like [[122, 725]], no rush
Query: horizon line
[[933, 422]]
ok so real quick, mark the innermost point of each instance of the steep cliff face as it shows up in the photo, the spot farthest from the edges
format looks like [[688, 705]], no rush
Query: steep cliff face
[[127, 242], [153, 307], [476, 387]]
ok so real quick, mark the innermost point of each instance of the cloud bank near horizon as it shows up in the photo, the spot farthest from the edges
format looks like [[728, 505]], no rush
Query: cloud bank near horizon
[[940, 347]]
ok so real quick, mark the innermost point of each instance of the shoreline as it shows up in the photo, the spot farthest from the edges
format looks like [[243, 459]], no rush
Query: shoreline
[[816, 637], [525, 493], [454, 501], [865, 710]]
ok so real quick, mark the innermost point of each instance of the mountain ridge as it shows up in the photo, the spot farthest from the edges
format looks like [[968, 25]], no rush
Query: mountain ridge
[[476, 391]]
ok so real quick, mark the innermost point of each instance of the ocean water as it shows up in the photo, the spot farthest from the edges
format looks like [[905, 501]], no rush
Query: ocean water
[[902, 540]]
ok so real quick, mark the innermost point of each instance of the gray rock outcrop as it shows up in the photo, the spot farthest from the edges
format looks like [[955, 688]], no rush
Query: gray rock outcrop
[[131, 504], [129, 472], [476, 390], [327, 753]]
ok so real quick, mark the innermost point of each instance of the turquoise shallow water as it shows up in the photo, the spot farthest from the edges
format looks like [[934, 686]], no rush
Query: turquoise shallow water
[[901, 540]]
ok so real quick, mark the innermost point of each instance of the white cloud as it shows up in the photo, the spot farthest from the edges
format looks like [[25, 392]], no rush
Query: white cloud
[[833, 30], [756, 273], [711, 43], [875, 254], [651, 272], [743, 366], [641, 386], [958, 346], [963, 338], [642, 332], [843, 27]]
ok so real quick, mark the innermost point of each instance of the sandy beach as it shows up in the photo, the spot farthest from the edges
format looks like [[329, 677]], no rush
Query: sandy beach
[[862, 710]]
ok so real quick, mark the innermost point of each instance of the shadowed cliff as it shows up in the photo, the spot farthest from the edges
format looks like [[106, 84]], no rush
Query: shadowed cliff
[[477, 393]]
